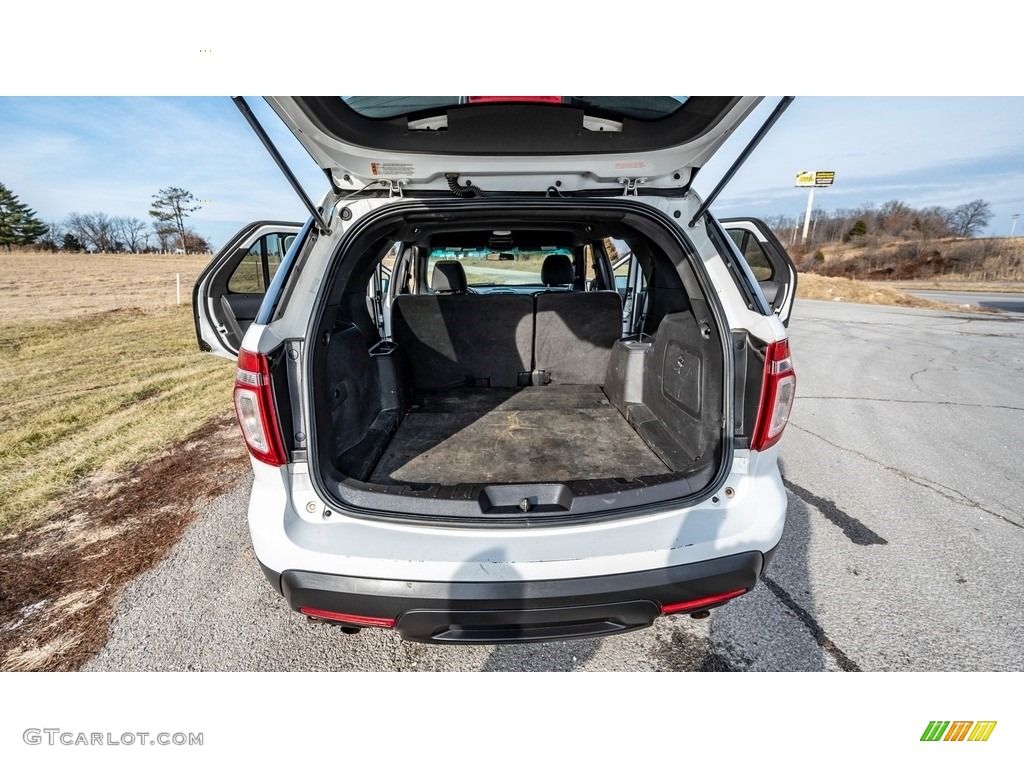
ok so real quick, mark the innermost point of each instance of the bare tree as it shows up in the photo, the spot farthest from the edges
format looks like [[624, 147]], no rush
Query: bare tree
[[193, 243], [895, 218], [932, 222], [969, 219], [94, 230], [873, 225], [134, 233], [53, 240]]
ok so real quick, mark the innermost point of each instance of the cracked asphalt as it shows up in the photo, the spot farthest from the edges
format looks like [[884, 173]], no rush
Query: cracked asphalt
[[903, 547]]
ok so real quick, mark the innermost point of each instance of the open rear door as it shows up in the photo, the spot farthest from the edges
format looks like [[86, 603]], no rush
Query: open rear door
[[768, 260], [228, 293]]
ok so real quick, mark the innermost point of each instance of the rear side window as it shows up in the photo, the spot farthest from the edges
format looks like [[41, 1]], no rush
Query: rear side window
[[260, 264], [753, 252]]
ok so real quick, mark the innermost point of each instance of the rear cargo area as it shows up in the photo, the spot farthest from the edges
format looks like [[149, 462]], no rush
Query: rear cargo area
[[635, 419], [529, 435], [499, 406]]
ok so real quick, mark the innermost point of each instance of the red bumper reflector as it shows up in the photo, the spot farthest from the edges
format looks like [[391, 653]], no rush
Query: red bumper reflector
[[348, 618], [692, 605]]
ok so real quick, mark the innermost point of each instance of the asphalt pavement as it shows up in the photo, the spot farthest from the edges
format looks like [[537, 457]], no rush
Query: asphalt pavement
[[1007, 302], [903, 548]]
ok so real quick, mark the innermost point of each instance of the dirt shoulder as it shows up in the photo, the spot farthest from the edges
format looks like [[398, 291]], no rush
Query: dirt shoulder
[[60, 580], [811, 286]]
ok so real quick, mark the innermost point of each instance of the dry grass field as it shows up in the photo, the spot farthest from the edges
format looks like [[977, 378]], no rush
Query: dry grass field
[[52, 286], [101, 369], [115, 429]]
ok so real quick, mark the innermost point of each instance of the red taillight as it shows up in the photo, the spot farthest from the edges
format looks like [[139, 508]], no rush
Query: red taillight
[[693, 605], [348, 618], [254, 407], [778, 389], [513, 99]]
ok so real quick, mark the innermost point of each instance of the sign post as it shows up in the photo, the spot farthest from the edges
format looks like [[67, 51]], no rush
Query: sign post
[[812, 179]]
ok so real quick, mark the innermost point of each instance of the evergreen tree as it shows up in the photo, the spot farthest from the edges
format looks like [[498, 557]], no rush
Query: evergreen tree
[[859, 229], [72, 244], [18, 223], [170, 207]]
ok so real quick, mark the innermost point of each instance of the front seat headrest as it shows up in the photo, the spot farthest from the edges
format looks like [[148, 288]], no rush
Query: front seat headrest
[[557, 270], [448, 277]]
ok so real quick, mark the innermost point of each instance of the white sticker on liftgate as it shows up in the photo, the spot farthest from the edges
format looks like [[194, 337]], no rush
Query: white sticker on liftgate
[[392, 169]]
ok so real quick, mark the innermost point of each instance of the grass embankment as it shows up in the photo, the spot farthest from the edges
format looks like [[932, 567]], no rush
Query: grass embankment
[[958, 286], [87, 389], [944, 260]]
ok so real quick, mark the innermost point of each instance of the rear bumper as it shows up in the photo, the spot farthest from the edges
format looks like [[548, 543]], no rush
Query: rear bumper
[[521, 611]]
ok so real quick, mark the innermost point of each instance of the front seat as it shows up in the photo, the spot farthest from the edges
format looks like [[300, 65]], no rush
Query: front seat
[[557, 272], [448, 277]]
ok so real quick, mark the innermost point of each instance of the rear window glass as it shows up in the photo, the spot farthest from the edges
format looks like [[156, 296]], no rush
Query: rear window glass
[[258, 267], [512, 267], [644, 108], [753, 252]]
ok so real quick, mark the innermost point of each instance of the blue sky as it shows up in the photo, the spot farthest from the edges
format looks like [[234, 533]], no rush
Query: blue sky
[[111, 154], [925, 151]]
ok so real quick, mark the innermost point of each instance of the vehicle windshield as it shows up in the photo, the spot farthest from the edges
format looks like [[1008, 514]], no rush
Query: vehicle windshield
[[487, 267], [643, 108]]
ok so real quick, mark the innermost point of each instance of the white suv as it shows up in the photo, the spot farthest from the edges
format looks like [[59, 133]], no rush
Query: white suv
[[511, 382]]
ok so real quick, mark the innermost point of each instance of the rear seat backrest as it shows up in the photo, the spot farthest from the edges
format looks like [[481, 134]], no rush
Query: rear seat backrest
[[454, 339], [575, 331]]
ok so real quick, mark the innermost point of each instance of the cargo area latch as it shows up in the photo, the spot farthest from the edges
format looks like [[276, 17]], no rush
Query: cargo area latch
[[629, 186], [394, 186]]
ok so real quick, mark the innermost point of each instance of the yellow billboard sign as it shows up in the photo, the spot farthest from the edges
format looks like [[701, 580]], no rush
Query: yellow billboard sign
[[815, 178]]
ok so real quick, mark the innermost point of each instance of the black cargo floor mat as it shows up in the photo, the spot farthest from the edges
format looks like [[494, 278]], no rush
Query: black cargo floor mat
[[536, 434]]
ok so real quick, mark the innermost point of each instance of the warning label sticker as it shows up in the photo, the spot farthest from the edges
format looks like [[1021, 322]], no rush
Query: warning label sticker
[[392, 169]]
